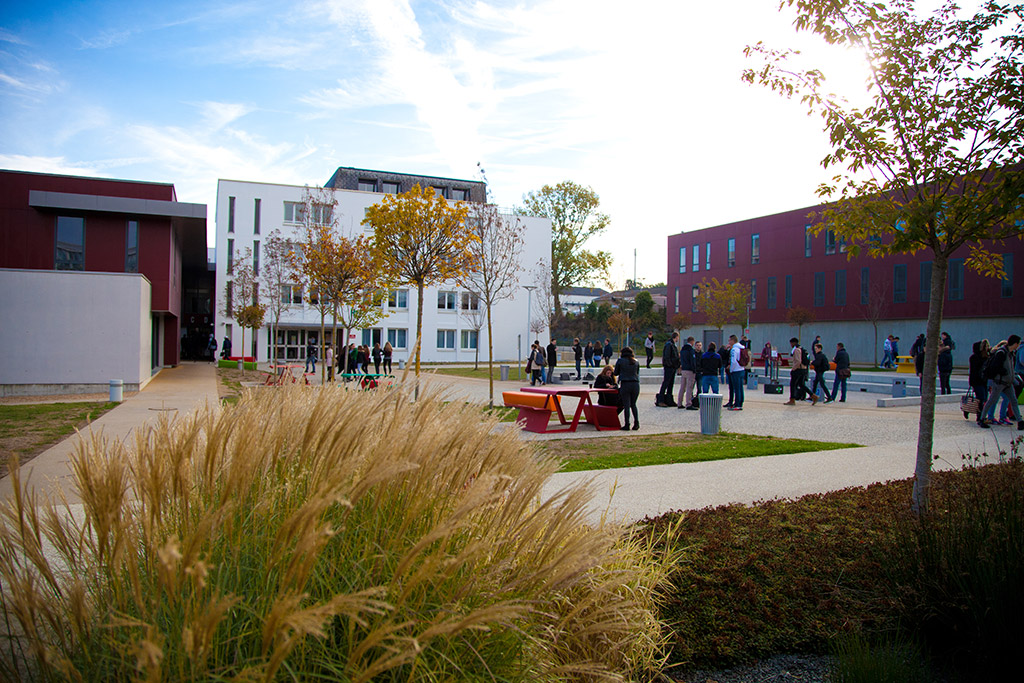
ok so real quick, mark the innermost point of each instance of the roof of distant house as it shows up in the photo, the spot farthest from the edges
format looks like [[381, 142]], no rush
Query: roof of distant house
[[584, 291]]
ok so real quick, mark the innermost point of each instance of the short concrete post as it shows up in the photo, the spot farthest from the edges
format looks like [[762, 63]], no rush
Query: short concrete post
[[116, 390]]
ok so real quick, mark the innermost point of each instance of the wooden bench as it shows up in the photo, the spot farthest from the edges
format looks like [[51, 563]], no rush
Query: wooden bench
[[534, 409]]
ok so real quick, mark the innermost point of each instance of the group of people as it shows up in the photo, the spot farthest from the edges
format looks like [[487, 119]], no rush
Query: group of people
[[359, 358], [801, 362], [995, 375], [700, 371]]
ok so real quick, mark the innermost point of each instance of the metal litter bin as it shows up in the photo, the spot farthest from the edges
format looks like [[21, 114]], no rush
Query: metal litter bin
[[899, 388], [116, 390], [710, 413], [401, 364], [752, 381], [505, 369]]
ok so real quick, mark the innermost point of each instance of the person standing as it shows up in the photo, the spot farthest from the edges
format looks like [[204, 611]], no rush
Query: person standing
[[311, 355], [976, 376], [798, 374], [211, 347], [627, 369], [766, 358], [710, 363], [698, 350], [1001, 382], [887, 352], [945, 362], [577, 352], [649, 348], [588, 355], [608, 351], [842, 361], [225, 349], [387, 352], [669, 365], [737, 370], [687, 374], [820, 364], [536, 364], [329, 359], [552, 359]]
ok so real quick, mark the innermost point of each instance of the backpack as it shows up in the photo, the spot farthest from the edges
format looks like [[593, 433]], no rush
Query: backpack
[[744, 357], [994, 364], [805, 358]]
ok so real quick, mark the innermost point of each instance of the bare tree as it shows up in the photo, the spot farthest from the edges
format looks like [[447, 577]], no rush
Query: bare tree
[[475, 319], [276, 278], [799, 316], [873, 311]]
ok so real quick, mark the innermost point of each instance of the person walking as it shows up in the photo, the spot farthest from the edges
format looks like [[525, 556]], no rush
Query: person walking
[[386, 354], [887, 352], [820, 365], [687, 375], [842, 361], [710, 364], [798, 364], [608, 351], [211, 348], [627, 369], [552, 360], [976, 376], [669, 366], [225, 349], [944, 363], [311, 358], [536, 364], [577, 352], [1000, 371], [649, 348], [737, 369]]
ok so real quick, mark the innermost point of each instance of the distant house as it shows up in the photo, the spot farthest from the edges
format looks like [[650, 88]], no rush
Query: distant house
[[576, 299], [617, 297]]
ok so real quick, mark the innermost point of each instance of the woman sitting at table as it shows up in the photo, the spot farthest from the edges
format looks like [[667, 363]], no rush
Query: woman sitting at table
[[606, 380]]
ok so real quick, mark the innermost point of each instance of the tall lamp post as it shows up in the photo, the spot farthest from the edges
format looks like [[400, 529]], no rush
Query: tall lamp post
[[627, 306], [529, 309]]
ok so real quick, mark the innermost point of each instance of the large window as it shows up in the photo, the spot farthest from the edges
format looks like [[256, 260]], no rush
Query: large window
[[772, 293], [256, 216], [398, 298], [682, 259], [372, 336], [753, 294], [755, 248], [865, 286], [925, 293], [231, 255], [1006, 290], [819, 289], [446, 340], [807, 240], [399, 339], [470, 302], [693, 298], [830, 242], [70, 243], [840, 288], [696, 258], [789, 292], [294, 212], [956, 279], [367, 185], [707, 256], [446, 301], [899, 283], [732, 252], [291, 294], [231, 214], [461, 195], [440, 191], [392, 188], [469, 339], [131, 251]]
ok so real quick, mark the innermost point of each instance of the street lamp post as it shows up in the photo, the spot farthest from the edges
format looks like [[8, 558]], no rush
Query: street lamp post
[[529, 310], [627, 306]]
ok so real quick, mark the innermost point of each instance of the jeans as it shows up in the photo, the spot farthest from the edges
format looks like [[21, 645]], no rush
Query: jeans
[[837, 383], [995, 391], [944, 381], [886, 359], [819, 379], [709, 382], [543, 374], [650, 357], [578, 373], [630, 392], [310, 361], [736, 386]]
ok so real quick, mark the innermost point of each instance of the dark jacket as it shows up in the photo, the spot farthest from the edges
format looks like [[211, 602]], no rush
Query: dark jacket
[[686, 358], [820, 362], [608, 351], [945, 359], [588, 352], [976, 362], [710, 363], [552, 355], [627, 370], [577, 351], [607, 398], [842, 359], [670, 356]]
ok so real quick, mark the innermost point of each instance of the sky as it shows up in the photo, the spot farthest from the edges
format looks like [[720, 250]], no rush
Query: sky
[[642, 103]]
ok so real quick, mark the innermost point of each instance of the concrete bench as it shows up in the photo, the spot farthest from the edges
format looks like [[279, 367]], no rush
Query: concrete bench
[[534, 409]]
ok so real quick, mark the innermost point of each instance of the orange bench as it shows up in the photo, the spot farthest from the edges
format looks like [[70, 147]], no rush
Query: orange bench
[[534, 409]]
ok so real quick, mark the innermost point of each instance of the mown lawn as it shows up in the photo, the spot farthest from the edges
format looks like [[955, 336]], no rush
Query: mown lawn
[[29, 429]]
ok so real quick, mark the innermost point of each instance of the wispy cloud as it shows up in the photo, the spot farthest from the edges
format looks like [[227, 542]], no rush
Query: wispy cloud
[[41, 164]]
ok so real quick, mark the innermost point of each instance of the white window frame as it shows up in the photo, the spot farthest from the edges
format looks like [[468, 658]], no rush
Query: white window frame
[[445, 339], [469, 301], [447, 301], [394, 332], [467, 336], [398, 299]]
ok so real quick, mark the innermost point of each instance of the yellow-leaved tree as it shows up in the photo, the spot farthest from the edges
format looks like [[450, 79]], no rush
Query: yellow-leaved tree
[[422, 240], [723, 303]]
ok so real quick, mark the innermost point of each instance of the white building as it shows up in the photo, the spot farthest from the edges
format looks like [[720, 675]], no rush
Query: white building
[[247, 212]]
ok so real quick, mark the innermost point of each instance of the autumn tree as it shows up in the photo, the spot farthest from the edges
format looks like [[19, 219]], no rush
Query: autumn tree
[[357, 282], [800, 316], [681, 321], [423, 240], [497, 251], [276, 279], [932, 159], [242, 295], [572, 209], [723, 303], [620, 322]]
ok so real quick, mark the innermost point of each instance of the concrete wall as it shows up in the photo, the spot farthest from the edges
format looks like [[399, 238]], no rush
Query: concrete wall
[[72, 332], [859, 337]]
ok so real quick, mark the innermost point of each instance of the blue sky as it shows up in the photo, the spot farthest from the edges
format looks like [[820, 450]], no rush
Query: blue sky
[[643, 104]]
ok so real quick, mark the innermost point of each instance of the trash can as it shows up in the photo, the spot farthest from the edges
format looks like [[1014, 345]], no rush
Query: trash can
[[899, 388], [401, 364], [241, 364], [752, 381], [710, 413], [505, 369], [116, 390]]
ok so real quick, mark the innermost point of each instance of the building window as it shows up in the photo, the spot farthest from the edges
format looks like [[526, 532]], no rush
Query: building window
[[830, 242], [693, 298], [256, 258], [677, 300], [682, 259], [469, 339], [1006, 290], [807, 241], [131, 251], [956, 279], [294, 212], [398, 338], [446, 301], [819, 289], [392, 188], [789, 291], [840, 288], [696, 258], [461, 195], [707, 256], [446, 340], [398, 298], [865, 286], [70, 243], [732, 252], [231, 255], [231, 214], [925, 292], [899, 284], [291, 294], [470, 302], [771, 293], [367, 185], [755, 248], [256, 216], [229, 291], [753, 294], [440, 191]]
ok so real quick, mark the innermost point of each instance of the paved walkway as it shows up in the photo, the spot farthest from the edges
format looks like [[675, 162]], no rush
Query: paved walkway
[[889, 437]]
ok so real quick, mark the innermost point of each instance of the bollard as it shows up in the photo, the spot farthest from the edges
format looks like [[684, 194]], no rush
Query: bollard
[[710, 413], [505, 369], [116, 390], [401, 364]]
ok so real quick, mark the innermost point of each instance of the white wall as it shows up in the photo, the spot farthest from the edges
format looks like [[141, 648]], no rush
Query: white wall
[[509, 316], [73, 331]]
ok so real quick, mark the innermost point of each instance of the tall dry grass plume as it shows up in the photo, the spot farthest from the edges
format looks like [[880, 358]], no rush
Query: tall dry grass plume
[[323, 534]]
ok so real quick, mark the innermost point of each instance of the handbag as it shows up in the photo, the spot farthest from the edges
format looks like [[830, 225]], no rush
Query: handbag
[[843, 373], [969, 403]]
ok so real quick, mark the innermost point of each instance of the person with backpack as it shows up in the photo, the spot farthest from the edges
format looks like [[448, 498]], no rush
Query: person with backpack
[[739, 358], [799, 362], [999, 371], [669, 365], [820, 365], [710, 364], [976, 374], [535, 364]]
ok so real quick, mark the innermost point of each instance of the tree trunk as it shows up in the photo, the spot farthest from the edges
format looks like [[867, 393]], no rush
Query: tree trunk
[[323, 317], [419, 336], [490, 359], [926, 423], [875, 347]]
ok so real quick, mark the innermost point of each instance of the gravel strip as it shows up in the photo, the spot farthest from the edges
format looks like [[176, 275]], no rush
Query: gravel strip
[[803, 668]]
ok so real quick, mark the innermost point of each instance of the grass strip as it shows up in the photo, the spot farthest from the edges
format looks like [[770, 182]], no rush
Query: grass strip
[[612, 452], [28, 429]]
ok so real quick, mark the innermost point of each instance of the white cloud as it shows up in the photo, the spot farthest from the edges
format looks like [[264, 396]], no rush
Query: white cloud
[[40, 164]]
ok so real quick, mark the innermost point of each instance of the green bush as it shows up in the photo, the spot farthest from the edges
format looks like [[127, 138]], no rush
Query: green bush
[[892, 659], [324, 535], [233, 364]]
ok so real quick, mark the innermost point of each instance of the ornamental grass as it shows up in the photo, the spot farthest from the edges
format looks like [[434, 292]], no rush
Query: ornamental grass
[[323, 535]]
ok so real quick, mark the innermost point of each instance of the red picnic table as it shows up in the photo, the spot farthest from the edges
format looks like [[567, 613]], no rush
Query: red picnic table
[[537, 403]]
